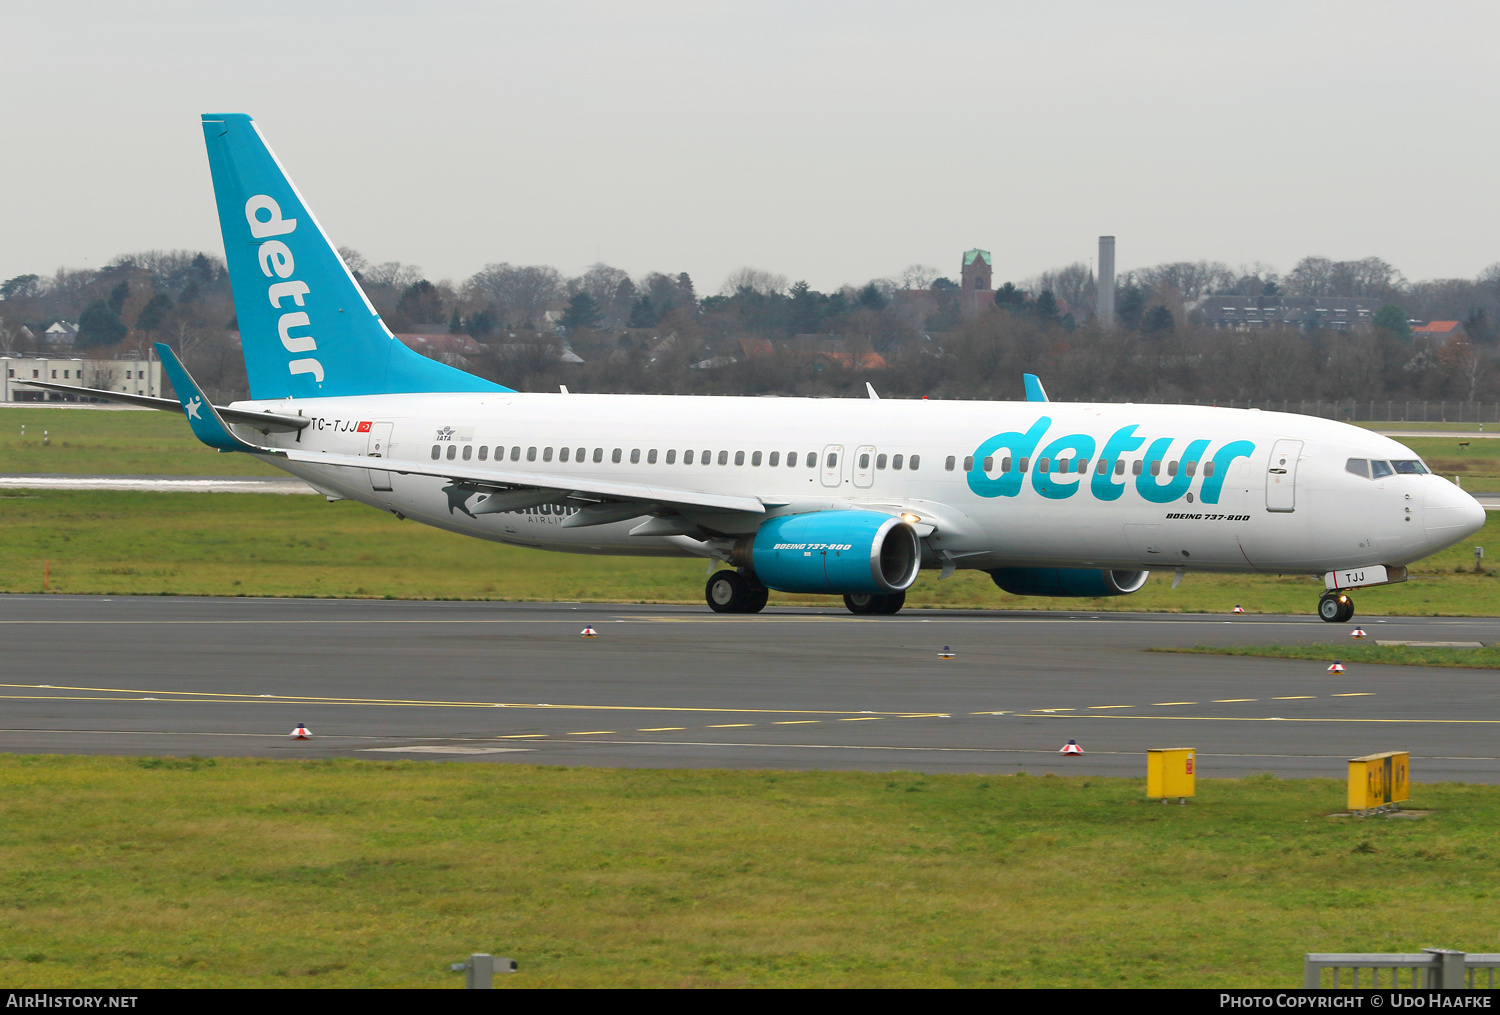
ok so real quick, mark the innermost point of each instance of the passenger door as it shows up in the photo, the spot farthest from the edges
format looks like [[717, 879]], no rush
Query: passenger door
[[833, 465], [864, 465], [1281, 476], [380, 439]]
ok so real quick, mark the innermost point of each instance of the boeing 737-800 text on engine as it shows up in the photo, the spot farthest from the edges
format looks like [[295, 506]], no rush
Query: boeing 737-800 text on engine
[[837, 496]]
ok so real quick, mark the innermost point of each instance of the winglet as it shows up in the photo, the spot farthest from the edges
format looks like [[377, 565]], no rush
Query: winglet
[[1034, 390], [208, 426]]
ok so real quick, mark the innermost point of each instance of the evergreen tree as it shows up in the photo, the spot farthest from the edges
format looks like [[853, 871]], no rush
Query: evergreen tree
[[118, 295], [582, 312], [1158, 321], [871, 298], [99, 325], [1130, 304], [1393, 319], [155, 313], [455, 324], [643, 314], [1007, 296]]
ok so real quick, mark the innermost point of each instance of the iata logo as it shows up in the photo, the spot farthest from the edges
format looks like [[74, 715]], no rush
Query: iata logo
[[445, 433]]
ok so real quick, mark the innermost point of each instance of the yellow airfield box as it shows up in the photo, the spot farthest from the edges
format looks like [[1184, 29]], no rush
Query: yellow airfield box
[[1170, 772], [1379, 780]]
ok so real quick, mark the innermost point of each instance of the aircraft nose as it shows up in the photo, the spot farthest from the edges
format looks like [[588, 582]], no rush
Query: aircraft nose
[[1450, 514]]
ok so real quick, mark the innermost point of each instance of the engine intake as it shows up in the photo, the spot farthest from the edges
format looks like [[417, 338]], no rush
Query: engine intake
[[1067, 581], [854, 552]]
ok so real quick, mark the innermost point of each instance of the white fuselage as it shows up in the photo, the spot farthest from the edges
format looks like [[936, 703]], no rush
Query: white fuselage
[[1280, 497]]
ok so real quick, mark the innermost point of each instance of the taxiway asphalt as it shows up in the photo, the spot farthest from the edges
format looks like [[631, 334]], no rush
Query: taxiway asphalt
[[682, 687]]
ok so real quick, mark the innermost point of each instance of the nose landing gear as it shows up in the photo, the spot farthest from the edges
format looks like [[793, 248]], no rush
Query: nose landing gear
[[1335, 608]]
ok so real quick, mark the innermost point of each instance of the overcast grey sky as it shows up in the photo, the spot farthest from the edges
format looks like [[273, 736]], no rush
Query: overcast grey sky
[[828, 141]]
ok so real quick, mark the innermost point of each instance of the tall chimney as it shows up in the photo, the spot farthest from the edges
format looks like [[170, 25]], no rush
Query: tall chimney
[[1104, 307]]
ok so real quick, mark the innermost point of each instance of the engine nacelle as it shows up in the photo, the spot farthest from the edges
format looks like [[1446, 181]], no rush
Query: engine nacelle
[[1067, 581], [856, 552]]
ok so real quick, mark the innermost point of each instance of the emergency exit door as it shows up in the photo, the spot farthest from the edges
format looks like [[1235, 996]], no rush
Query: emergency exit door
[[1281, 476], [833, 465]]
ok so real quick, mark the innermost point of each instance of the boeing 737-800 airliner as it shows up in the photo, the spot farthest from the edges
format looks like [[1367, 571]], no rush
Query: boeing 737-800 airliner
[[848, 497]]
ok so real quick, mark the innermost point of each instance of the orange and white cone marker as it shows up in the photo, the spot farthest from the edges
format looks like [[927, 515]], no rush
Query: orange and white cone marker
[[589, 632], [301, 733], [946, 653], [1337, 667], [1071, 747], [1358, 632], [1238, 608]]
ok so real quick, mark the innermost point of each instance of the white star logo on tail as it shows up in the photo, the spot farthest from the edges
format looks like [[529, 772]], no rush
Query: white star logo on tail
[[193, 407]]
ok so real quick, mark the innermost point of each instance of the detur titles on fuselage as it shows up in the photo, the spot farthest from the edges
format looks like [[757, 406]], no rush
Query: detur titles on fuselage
[[848, 497]]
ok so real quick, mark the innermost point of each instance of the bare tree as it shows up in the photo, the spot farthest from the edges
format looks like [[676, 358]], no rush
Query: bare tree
[[917, 276], [1073, 283], [764, 282], [393, 274], [520, 295]]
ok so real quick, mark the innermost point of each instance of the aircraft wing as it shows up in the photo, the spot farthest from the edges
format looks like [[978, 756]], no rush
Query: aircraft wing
[[499, 480], [265, 422]]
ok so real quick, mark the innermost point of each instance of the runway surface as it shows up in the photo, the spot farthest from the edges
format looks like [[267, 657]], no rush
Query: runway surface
[[683, 687]]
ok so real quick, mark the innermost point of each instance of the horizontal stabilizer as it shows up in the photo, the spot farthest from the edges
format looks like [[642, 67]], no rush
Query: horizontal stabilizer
[[265, 422]]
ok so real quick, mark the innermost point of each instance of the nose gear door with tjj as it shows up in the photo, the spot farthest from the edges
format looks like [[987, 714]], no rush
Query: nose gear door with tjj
[[833, 465], [1281, 476]]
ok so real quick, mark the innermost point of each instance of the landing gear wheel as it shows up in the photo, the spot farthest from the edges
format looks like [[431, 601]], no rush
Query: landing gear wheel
[[873, 603], [756, 601], [1335, 608], [727, 592]]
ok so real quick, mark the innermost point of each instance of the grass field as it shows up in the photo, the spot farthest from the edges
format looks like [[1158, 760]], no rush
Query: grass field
[[217, 873], [262, 545], [112, 443], [1487, 658]]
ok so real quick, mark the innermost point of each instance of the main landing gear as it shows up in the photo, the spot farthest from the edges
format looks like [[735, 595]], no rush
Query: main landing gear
[[876, 604], [735, 592], [1335, 607]]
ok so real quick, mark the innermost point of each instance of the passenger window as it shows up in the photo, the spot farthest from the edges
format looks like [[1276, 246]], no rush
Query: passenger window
[[833, 459], [635, 456], [774, 459], [1119, 467], [791, 459], [437, 452], [531, 454], [614, 456], [739, 458], [1102, 467], [708, 457], [1156, 468], [671, 456], [916, 461], [724, 457], [651, 457], [515, 453], [895, 461], [1192, 468], [880, 462], [1043, 465], [1005, 464], [755, 458], [1208, 468], [1024, 463], [949, 463], [598, 455], [1171, 468], [989, 463], [864, 460], [1135, 470], [484, 452], [1083, 466], [968, 463], [546, 454], [580, 455], [1062, 465], [812, 459], [452, 452], [562, 454], [468, 452], [1379, 470], [687, 457]]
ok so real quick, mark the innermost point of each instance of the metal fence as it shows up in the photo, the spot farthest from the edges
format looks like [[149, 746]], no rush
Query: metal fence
[[1431, 968]]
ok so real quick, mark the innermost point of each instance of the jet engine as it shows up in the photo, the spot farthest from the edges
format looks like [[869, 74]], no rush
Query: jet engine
[[849, 552], [1067, 581]]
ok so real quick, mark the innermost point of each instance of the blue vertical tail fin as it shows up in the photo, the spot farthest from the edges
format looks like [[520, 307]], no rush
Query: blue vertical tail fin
[[306, 328]]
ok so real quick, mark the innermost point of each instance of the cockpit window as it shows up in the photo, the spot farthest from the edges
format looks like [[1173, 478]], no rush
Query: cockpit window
[[1410, 468], [1358, 466], [1381, 469]]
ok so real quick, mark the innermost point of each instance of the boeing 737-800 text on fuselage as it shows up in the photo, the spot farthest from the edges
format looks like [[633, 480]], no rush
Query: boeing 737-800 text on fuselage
[[848, 497]]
